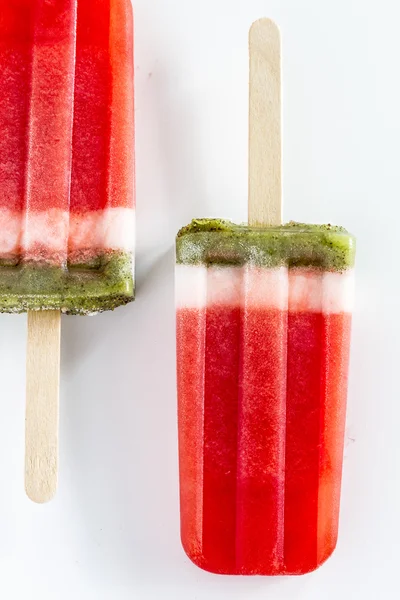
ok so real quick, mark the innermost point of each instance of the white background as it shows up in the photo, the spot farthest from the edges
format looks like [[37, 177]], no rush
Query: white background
[[112, 533]]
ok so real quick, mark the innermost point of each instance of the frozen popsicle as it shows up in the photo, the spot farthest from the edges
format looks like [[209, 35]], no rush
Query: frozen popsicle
[[263, 331], [66, 187], [263, 334], [66, 155]]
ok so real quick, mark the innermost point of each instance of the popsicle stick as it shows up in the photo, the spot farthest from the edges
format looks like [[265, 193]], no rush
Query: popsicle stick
[[42, 404], [265, 147]]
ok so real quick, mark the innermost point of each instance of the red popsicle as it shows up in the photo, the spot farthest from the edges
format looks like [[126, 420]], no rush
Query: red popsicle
[[66, 116], [263, 335], [66, 186], [262, 384]]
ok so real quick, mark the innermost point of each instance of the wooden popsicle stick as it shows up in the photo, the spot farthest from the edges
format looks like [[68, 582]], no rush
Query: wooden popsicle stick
[[265, 146], [42, 404]]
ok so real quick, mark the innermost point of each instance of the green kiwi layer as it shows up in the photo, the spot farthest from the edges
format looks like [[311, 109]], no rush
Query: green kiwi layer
[[76, 290], [218, 242]]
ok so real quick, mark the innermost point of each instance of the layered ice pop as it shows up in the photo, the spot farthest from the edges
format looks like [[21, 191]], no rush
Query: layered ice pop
[[66, 187], [263, 333], [66, 155]]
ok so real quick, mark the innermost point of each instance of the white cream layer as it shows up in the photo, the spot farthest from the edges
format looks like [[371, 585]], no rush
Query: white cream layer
[[254, 287], [111, 228]]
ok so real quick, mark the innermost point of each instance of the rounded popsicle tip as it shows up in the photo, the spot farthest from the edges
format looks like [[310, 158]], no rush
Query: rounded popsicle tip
[[266, 568], [197, 557], [41, 479], [264, 28], [40, 492], [324, 554]]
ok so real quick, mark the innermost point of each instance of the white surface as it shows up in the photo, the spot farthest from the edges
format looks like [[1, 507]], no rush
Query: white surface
[[112, 532]]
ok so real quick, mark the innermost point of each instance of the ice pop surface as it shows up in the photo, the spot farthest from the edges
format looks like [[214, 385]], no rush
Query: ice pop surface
[[66, 155], [263, 334]]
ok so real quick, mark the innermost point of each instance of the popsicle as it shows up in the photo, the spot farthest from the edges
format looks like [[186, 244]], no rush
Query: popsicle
[[263, 337], [263, 330], [66, 155], [66, 186]]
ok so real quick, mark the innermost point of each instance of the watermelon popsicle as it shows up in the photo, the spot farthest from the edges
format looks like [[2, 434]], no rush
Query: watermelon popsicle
[[66, 155], [263, 332], [66, 187]]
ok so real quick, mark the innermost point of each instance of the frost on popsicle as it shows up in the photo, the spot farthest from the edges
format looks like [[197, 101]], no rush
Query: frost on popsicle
[[218, 242]]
